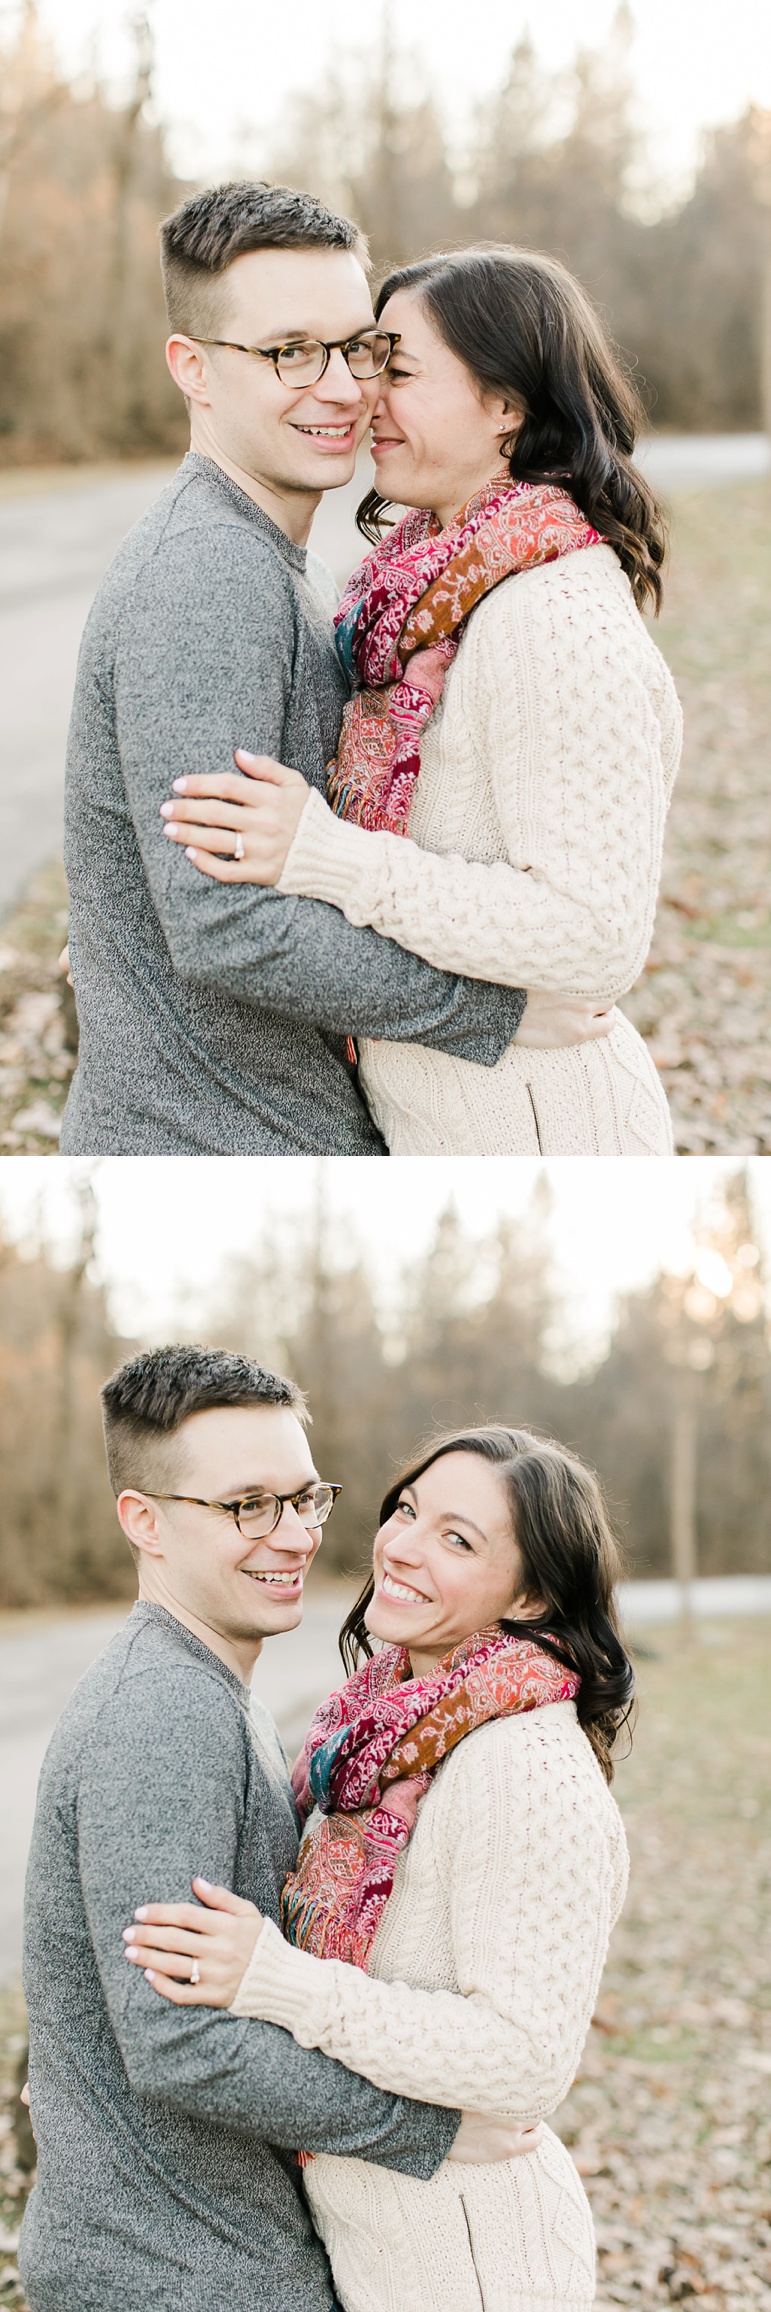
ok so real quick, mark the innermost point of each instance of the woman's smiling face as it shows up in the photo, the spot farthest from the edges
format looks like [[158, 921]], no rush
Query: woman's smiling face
[[446, 1563], [435, 441]]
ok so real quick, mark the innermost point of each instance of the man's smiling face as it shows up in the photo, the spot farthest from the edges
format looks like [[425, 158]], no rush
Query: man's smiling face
[[287, 440], [241, 1590]]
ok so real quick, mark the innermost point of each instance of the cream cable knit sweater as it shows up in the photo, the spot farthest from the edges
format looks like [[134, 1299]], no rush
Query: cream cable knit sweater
[[533, 857], [484, 1975]]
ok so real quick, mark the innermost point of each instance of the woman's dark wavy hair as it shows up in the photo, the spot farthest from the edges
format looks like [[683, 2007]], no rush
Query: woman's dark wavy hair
[[570, 1560], [525, 329]]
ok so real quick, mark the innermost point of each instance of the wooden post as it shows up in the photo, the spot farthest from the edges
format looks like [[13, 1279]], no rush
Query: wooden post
[[683, 1497]]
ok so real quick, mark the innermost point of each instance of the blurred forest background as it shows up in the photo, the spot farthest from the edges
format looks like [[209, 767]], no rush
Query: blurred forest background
[[553, 160], [674, 1409]]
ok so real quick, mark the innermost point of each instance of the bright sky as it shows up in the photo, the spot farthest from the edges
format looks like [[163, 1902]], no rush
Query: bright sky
[[223, 73], [167, 1226]]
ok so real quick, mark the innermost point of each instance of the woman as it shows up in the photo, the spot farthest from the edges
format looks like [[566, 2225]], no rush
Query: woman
[[462, 1865], [505, 768]]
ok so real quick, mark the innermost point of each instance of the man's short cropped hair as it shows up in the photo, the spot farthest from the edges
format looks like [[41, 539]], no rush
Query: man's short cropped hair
[[203, 237], [146, 1402]]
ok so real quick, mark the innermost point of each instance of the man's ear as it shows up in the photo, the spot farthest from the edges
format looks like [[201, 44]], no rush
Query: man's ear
[[138, 1516], [187, 362]]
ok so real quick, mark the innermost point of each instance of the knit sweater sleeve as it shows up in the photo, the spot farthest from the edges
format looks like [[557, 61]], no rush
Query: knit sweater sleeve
[[557, 688], [531, 1895]]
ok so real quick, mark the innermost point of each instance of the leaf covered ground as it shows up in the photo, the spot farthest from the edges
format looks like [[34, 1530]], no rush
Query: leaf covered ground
[[704, 999], [669, 2120], [38, 1022], [16, 2147]]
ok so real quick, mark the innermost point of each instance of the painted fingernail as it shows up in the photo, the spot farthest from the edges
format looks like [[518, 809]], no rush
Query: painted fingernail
[[190, 853], [179, 786], [149, 1975], [141, 1914], [131, 1951], [128, 1934], [247, 755], [172, 827], [167, 810], [202, 1882]]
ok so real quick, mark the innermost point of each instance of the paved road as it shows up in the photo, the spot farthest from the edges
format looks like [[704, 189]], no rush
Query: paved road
[[53, 549], [696, 461], [55, 545], [717, 1597], [42, 1661]]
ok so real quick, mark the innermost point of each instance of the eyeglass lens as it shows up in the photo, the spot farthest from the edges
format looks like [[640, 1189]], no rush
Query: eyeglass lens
[[304, 364], [259, 1515]]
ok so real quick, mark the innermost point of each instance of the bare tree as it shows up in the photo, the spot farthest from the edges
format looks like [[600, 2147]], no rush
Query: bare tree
[[68, 1320], [674, 1410], [552, 160], [58, 1533], [29, 98], [369, 144], [125, 157], [85, 185]]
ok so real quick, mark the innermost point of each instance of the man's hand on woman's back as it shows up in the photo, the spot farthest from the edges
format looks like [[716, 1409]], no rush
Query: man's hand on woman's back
[[482, 2138], [549, 1022]]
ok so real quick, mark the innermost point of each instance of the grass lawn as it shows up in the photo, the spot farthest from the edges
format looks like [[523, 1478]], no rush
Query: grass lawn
[[670, 2117]]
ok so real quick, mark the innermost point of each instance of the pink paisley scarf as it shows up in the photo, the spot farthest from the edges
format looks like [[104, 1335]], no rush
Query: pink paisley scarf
[[400, 621], [369, 1756]]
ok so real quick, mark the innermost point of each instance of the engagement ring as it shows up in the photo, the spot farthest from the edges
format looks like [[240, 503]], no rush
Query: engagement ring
[[239, 849], [195, 1972]]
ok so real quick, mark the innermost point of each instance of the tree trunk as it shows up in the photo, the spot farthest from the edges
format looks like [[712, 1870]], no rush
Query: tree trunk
[[121, 352], [765, 342], [68, 1329], [683, 1496]]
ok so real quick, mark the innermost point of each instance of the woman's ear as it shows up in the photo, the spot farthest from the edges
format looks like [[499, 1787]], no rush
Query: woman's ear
[[510, 424], [526, 1608]]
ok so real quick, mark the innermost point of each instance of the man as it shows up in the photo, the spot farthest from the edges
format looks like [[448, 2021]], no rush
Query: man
[[166, 2135], [215, 1019]]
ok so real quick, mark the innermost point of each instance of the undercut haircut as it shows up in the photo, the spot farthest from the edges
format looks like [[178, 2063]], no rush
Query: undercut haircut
[[203, 237], [146, 1402]]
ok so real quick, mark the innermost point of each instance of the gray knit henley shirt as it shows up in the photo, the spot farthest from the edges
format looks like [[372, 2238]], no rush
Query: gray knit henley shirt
[[166, 2135], [213, 1017]]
